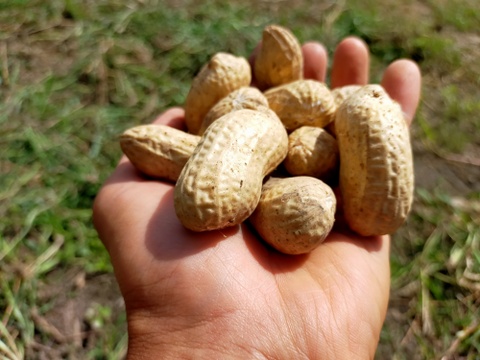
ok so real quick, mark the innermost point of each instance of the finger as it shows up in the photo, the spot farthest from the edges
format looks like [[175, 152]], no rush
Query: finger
[[402, 81], [315, 61], [251, 61], [254, 55], [351, 63], [174, 117]]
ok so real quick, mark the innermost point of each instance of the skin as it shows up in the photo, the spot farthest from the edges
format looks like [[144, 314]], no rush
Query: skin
[[225, 294]]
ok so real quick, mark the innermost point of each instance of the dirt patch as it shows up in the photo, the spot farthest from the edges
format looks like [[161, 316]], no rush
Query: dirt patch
[[79, 308], [35, 55], [453, 174]]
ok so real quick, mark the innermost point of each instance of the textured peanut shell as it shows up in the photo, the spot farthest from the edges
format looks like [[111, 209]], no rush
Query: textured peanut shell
[[294, 215], [279, 60], [313, 152], [221, 183], [302, 103], [159, 151], [339, 95], [376, 166], [223, 74], [244, 98]]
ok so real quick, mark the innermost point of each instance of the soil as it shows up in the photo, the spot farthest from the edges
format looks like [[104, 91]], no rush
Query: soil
[[70, 327], [455, 175]]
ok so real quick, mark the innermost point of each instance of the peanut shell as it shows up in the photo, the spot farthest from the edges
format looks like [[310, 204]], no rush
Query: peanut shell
[[159, 151], [223, 74], [294, 215], [280, 59], [339, 95], [313, 152], [302, 103], [244, 98], [376, 165], [221, 183]]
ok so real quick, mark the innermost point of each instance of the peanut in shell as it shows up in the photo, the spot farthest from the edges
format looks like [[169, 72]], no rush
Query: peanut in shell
[[223, 74], [280, 59], [158, 151], [376, 165], [294, 215], [221, 183], [246, 97], [302, 103], [312, 151], [340, 94]]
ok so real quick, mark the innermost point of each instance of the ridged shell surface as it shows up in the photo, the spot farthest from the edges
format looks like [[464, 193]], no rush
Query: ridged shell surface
[[376, 166], [302, 103], [223, 74], [313, 152], [280, 59], [244, 98], [295, 215], [221, 183], [340, 94], [158, 150]]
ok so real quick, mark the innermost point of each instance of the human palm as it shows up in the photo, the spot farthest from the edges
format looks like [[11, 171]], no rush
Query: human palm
[[225, 294]]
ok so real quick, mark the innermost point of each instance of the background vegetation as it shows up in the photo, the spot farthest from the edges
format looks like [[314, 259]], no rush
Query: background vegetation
[[74, 74]]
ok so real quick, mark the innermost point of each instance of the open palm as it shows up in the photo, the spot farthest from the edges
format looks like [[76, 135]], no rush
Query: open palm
[[224, 294]]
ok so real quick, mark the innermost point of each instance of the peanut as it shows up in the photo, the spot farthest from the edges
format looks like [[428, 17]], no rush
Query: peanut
[[302, 102], [223, 74], [339, 95], [280, 59], [312, 151], [376, 167], [294, 215], [158, 151], [221, 183], [244, 98]]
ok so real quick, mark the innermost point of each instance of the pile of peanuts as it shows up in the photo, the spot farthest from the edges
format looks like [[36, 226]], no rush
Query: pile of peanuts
[[227, 168]]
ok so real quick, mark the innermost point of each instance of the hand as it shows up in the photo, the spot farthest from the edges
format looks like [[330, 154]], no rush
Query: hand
[[224, 294]]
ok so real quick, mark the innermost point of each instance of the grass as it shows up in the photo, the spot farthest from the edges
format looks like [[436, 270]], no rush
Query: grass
[[75, 74], [435, 281]]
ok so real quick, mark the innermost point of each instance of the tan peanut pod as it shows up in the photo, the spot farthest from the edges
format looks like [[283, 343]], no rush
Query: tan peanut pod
[[244, 98], [158, 151], [313, 152], [223, 74], [302, 103], [279, 60], [376, 166], [294, 215], [339, 95], [221, 183]]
